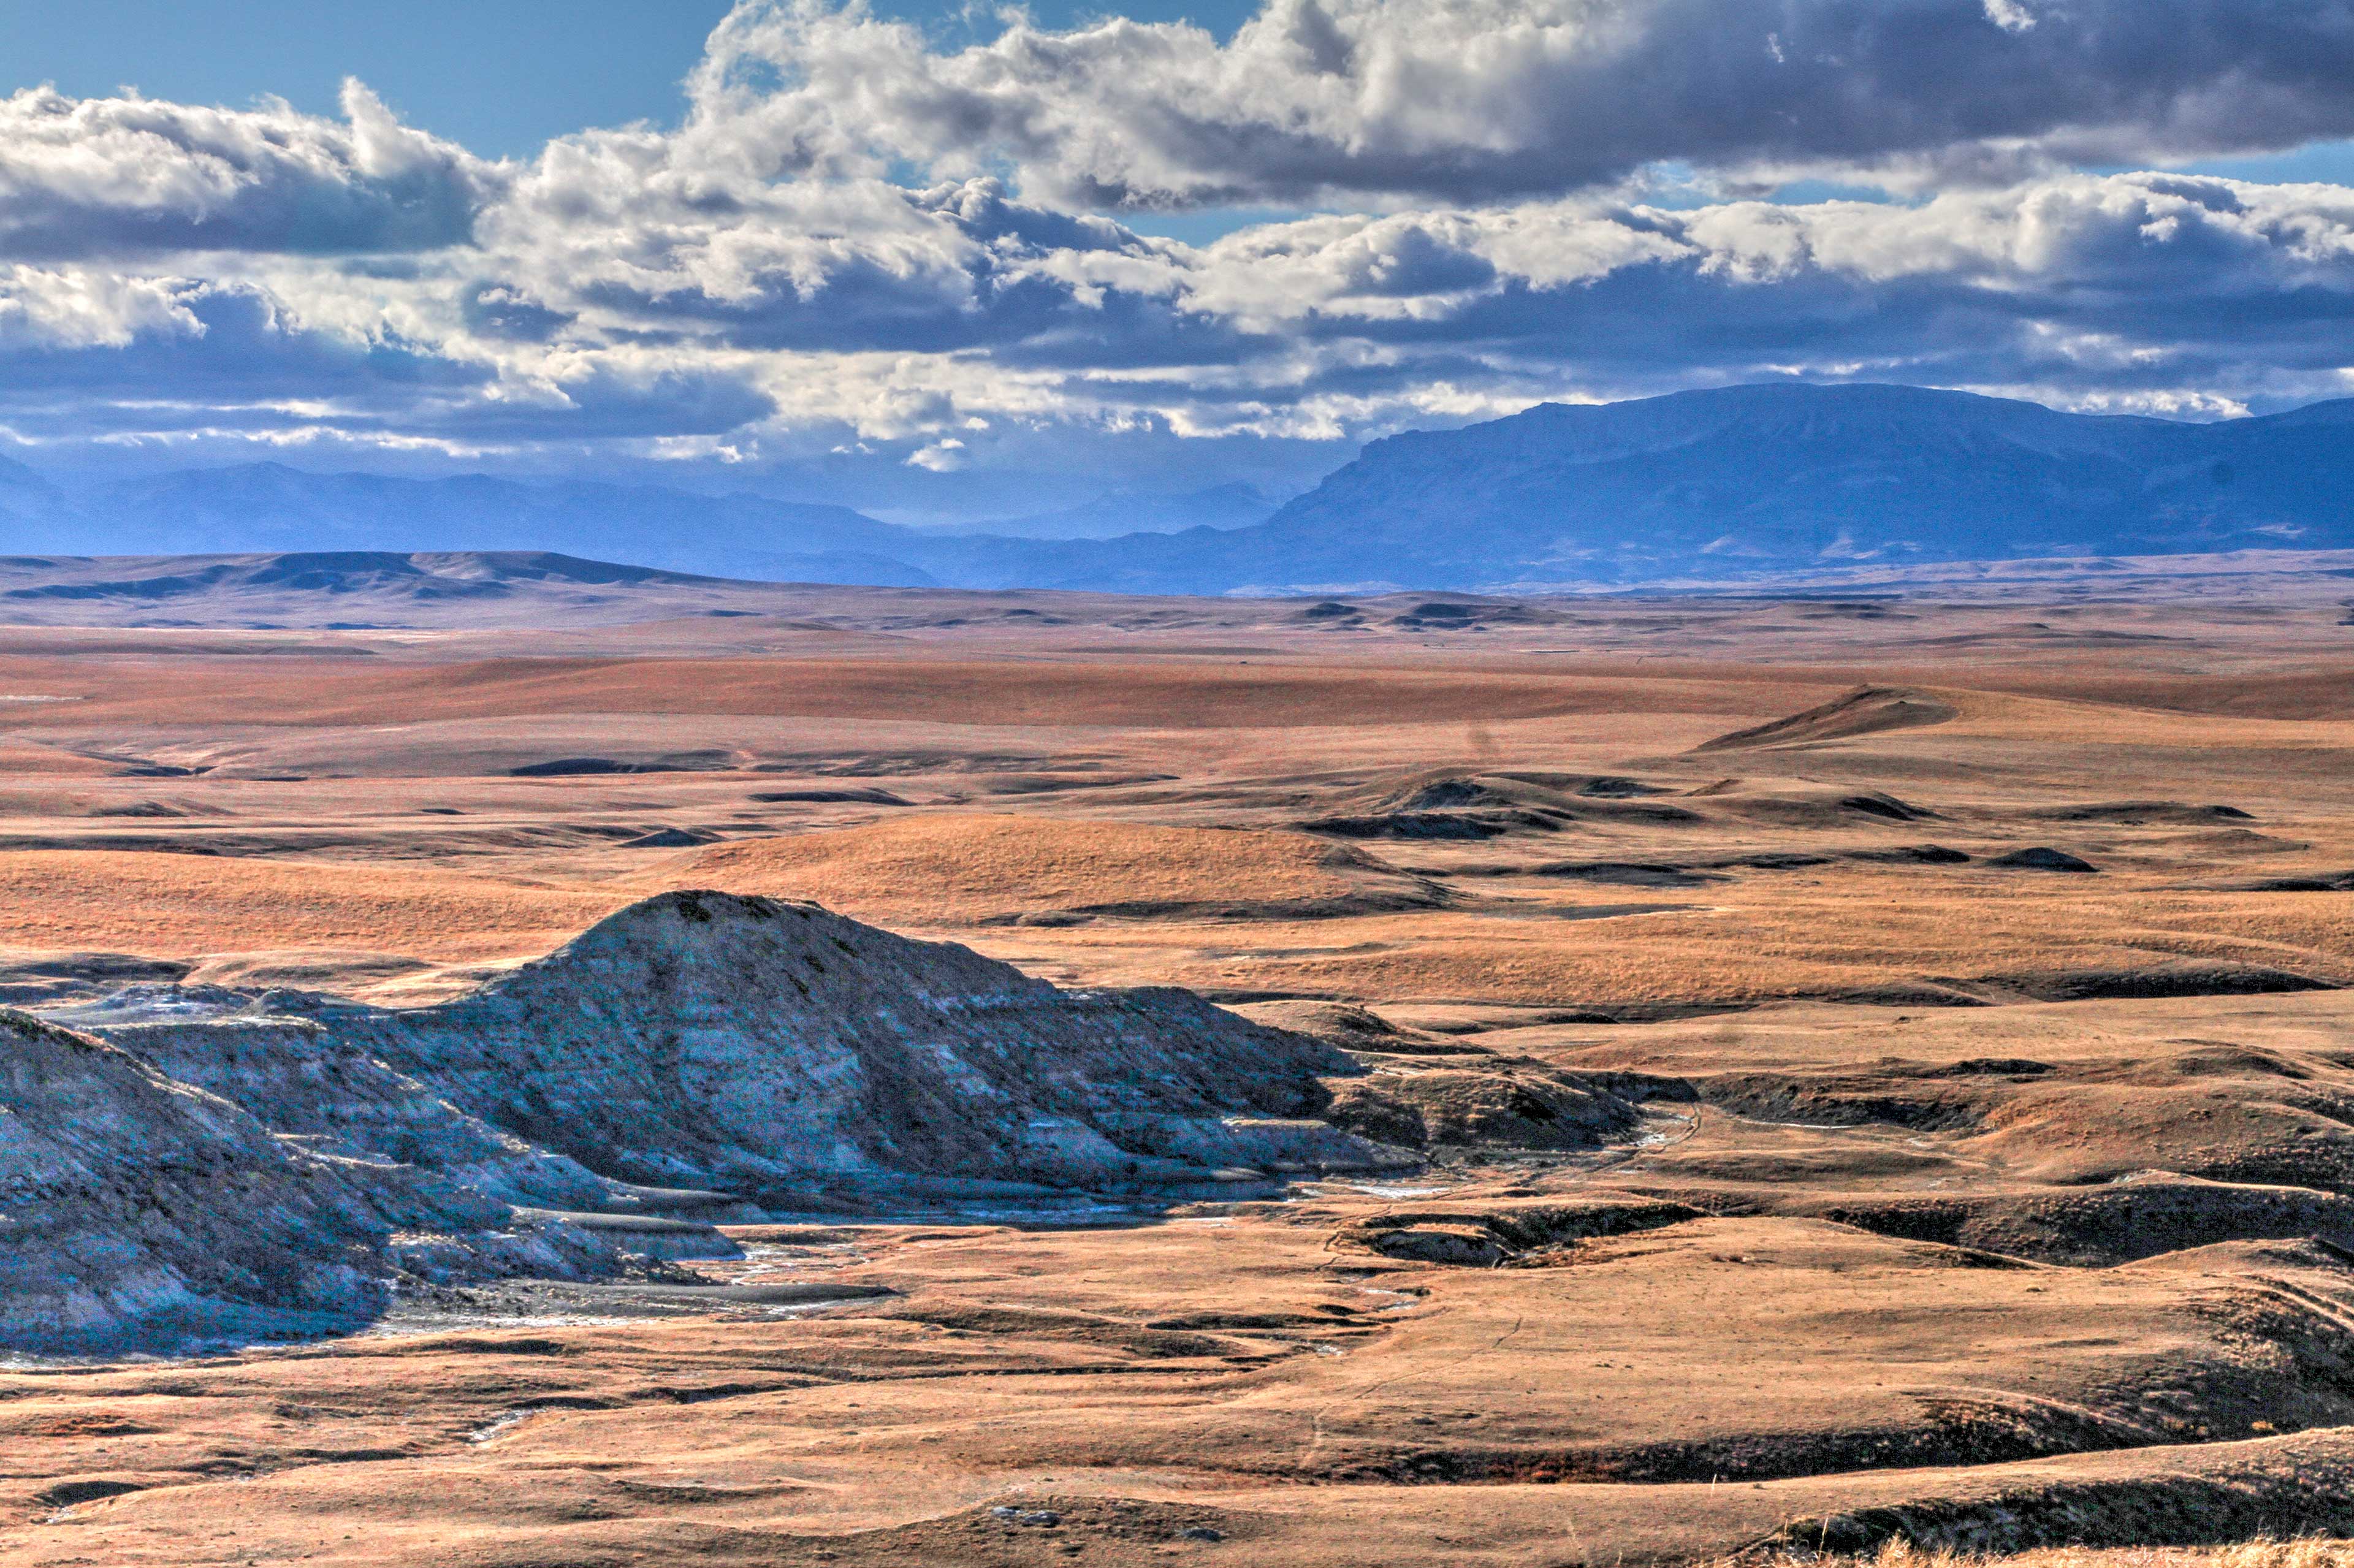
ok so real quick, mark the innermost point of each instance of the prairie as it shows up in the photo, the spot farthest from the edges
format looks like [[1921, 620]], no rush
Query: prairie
[[1881, 1070]]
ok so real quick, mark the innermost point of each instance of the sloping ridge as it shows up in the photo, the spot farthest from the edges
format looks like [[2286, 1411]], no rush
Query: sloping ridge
[[781, 1051], [136, 1210], [1867, 710]]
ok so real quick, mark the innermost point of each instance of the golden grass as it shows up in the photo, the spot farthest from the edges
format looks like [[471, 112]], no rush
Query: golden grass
[[19, 757], [1776, 937], [1211, 694], [2302, 1552], [176, 905], [1765, 937], [951, 866]]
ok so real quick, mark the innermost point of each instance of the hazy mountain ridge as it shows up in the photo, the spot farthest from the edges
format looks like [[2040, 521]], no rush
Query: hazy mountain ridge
[[1774, 479], [1721, 485], [269, 507]]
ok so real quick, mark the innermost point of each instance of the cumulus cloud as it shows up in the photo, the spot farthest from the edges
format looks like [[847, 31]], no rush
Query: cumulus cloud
[[943, 456], [82, 178], [168, 356], [964, 307], [795, 267], [72, 308], [1316, 100]]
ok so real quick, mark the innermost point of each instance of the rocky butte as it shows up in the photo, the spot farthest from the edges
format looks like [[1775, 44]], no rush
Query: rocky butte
[[221, 1165]]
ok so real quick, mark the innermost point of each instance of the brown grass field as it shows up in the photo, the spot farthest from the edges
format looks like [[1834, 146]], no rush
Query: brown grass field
[[2000, 1212]]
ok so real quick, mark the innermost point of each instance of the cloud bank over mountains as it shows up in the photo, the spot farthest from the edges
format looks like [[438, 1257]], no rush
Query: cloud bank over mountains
[[861, 239]]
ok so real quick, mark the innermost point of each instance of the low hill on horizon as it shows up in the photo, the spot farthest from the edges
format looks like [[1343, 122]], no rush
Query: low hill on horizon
[[355, 588], [267, 507]]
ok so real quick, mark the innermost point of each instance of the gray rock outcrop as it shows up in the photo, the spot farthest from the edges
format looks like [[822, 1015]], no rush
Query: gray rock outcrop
[[210, 1166], [784, 1054], [139, 1211]]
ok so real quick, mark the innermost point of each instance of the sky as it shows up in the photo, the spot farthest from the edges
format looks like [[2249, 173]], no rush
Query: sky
[[945, 262]]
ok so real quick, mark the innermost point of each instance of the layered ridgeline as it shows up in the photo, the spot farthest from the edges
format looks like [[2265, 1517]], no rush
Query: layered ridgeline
[[786, 1054], [226, 1163], [1713, 485], [139, 1211]]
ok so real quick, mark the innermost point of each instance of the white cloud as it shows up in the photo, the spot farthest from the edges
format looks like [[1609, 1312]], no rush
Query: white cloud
[[944, 456], [930, 319], [2010, 16], [72, 308], [765, 276], [91, 177], [1316, 101]]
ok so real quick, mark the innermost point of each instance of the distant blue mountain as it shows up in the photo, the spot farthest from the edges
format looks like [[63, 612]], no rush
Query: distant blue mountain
[[27, 500], [1724, 484], [1774, 479]]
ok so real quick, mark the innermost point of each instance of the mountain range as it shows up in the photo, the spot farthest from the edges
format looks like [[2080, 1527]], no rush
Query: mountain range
[[1717, 485]]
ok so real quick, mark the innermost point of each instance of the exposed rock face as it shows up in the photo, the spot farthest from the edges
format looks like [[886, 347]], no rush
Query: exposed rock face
[[779, 1051], [137, 1209], [223, 1168], [341, 1100]]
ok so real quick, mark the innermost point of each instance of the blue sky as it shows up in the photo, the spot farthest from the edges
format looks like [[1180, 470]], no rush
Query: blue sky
[[501, 76], [937, 263], [497, 75]]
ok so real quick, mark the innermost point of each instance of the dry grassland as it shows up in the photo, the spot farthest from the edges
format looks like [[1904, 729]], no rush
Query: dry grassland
[[1835, 1163]]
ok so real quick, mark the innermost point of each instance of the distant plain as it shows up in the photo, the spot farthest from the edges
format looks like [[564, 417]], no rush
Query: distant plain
[[1997, 932]]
